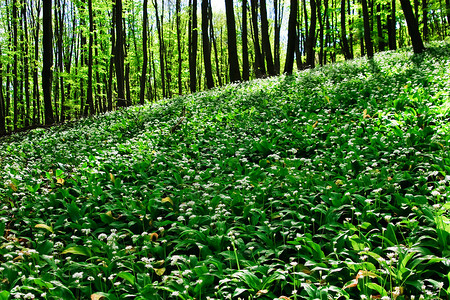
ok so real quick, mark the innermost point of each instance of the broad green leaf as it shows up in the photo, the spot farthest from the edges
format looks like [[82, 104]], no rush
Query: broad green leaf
[[44, 226], [78, 250], [127, 276]]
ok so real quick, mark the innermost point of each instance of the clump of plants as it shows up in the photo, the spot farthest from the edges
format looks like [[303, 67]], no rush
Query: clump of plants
[[332, 183]]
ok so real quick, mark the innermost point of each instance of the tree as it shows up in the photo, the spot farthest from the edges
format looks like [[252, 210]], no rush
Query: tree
[[119, 56], [391, 25], [413, 27], [367, 29], [233, 60], [245, 60], [180, 60], [145, 53], [206, 45], [193, 44], [311, 38], [260, 69], [292, 38], [267, 50], [344, 40], [89, 98], [47, 60]]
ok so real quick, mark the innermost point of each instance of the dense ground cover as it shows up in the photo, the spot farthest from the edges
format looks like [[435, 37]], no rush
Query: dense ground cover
[[330, 184]]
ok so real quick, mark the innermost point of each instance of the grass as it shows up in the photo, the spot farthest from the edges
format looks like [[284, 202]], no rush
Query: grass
[[329, 184]]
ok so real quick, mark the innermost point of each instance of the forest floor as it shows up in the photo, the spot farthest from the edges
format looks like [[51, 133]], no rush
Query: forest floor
[[332, 183]]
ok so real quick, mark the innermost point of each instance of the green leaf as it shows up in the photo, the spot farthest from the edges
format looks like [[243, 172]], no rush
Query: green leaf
[[377, 288], [78, 250], [44, 226], [4, 295], [127, 276]]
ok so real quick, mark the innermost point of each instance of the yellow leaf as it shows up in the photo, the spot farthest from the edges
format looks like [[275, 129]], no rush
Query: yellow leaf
[[97, 297], [13, 186], [339, 182], [60, 181], [365, 114], [112, 178], [327, 98], [315, 124], [160, 272], [44, 226], [167, 199]]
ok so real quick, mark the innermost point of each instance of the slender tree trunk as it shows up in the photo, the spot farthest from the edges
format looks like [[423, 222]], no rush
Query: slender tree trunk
[[36, 94], [180, 59], [311, 39], [47, 59], [216, 53], [381, 43], [26, 63], [111, 62], [425, 20], [233, 61], [245, 61], [292, 38], [193, 44], [260, 70], [278, 9], [321, 31], [266, 40], [15, 64], [2, 103], [447, 4], [145, 53], [391, 25], [119, 56], [89, 95], [206, 45], [413, 27], [60, 26], [367, 30], [345, 47]]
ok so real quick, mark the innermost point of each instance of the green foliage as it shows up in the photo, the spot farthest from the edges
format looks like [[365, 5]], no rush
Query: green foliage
[[331, 183]]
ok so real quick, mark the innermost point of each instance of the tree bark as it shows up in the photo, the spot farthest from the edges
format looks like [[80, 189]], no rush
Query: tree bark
[[145, 53], [311, 39], [2, 103], [345, 47], [367, 29], [206, 45], [266, 40], [47, 60], [292, 37], [391, 25], [193, 45], [233, 61], [260, 69], [119, 56], [89, 96], [15, 64], [180, 59], [381, 43], [413, 27], [26, 66], [425, 20], [245, 60]]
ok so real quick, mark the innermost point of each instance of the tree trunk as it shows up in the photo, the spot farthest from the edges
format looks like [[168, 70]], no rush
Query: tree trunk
[[206, 45], [36, 94], [345, 47], [391, 25], [89, 96], [367, 30], [413, 27], [233, 61], [425, 20], [180, 60], [193, 44], [145, 53], [47, 60], [292, 38], [266, 40], [321, 31], [381, 43], [26, 63], [15, 74], [311, 39], [2, 103], [119, 56], [245, 61], [216, 54], [278, 9], [260, 69]]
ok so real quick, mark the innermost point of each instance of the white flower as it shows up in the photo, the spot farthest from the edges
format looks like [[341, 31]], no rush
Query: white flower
[[77, 275]]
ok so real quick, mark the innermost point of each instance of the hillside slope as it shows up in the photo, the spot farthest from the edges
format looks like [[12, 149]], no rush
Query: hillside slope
[[332, 183]]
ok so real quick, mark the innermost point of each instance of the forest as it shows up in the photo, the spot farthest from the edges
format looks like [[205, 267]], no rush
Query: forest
[[62, 60]]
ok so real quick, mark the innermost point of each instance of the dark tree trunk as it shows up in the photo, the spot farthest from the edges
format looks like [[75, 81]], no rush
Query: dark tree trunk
[[60, 47], [145, 53], [216, 54], [109, 95], [206, 45], [367, 29], [311, 39], [47, 60], [180, 60], [413, 27], [161, 48], [260, 69], [2, 104], [26, 64], [381, 43], [245, 60], [345, 47], [447, 4], [233, 60], [119, 56], [15, 74], [36, 94], [266, 40], [321, 31], [425, 20], [292, 38], [193, 44], [278, 8], [391, 25], [89, 96]]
